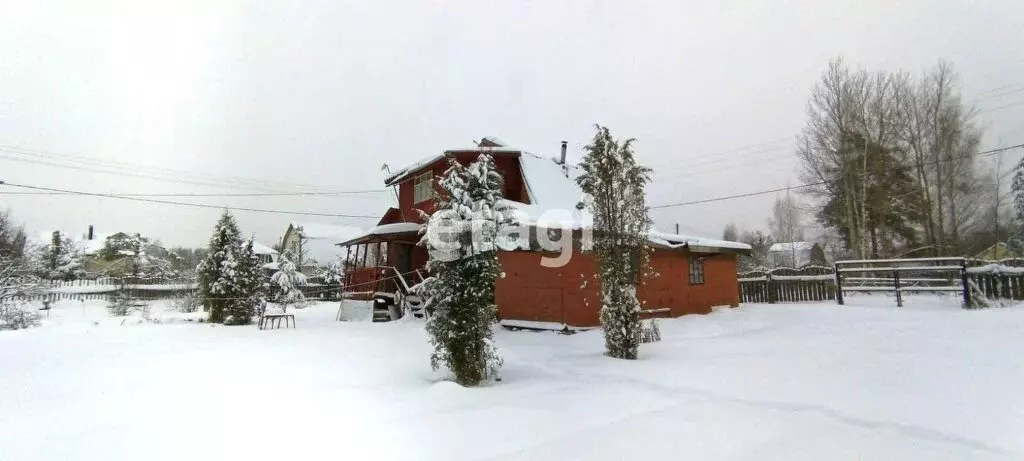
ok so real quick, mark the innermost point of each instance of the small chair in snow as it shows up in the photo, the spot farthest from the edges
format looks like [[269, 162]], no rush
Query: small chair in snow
[[273, 318]]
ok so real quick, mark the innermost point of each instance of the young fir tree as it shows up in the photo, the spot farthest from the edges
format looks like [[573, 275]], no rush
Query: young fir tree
[[288, 280], [463, 238], [230, 280], [615, 184]]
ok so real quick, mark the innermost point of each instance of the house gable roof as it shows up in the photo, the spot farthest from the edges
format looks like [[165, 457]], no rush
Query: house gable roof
[[488, 144], [555, 197]]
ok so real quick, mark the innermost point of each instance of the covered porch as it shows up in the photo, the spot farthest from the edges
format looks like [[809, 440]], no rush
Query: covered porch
[[384, 262]]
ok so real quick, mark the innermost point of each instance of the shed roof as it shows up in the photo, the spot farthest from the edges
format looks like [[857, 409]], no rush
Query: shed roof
[[792, 246]]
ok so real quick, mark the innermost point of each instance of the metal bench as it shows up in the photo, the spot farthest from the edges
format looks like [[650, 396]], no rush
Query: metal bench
[[274, 319]]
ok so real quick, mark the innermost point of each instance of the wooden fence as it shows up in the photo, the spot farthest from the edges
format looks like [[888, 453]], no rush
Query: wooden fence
[[105, 288], [1003, 279], [977, 282], [786, 284]]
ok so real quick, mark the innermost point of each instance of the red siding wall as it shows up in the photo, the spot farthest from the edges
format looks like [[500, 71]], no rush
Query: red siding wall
[[530, 291], [508, 165]]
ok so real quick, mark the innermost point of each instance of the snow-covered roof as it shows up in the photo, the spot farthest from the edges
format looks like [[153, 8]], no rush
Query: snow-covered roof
[[260, 248], [88, 247], [493, 140], [677, 240], [334, 232], [395, 228], [490, 144], [792, 246], [555, 197], [386, 229]]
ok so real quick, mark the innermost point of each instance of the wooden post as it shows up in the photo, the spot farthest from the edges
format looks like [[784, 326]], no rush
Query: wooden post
[[899, 294], [839, 284], [772, 296], [345, 267], [365, 250], [964, 281]]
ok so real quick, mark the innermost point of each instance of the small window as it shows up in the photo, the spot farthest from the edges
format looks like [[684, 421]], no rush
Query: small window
[[696, 271], [423, 188]]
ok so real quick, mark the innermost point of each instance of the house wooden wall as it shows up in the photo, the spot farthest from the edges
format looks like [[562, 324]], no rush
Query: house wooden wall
[[532, 292], [508, 165]]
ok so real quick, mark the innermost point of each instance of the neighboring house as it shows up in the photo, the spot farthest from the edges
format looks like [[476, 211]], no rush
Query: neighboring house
[[314, 245], [796, 254], [696, 274], [91, 245], [996, 252], [268, 256]]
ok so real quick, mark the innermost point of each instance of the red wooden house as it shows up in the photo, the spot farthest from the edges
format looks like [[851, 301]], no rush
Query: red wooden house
[[694, 274]]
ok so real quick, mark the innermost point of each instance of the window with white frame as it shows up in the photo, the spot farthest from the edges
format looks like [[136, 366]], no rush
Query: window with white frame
[[423, 187], [696, 270]]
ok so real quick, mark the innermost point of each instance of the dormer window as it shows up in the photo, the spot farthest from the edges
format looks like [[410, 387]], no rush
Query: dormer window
[[423, 187]]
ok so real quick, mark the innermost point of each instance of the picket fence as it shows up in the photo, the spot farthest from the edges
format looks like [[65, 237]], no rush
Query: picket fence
[[786, 284], [143, 288]]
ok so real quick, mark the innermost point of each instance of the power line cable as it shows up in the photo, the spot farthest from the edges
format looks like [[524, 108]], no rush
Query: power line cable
[[818, 183], [189, 194], [128, 169], [196, 205]]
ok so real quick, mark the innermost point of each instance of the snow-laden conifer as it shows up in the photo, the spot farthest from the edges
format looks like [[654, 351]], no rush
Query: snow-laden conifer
[[230, 278], [288, 281], [615, 183], [463, 236]]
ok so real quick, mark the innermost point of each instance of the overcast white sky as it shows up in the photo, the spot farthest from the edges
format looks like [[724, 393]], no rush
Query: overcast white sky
[[319, 94]]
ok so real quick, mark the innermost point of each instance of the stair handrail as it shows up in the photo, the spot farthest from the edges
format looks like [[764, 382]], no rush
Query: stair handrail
[[400, 278]]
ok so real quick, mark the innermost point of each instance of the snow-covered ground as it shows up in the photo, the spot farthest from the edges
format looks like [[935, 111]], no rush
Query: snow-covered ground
[[788, 382]]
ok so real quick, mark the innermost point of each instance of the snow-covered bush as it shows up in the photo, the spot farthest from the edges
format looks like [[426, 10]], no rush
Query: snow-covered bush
[[462, 239], [649, 331], [288, 281], [615, 184], [188, 302], [16, 315], [16, 280], [122, 304]]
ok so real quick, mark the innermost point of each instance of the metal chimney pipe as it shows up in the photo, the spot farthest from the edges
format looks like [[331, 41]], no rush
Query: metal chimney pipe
[[562, 158]]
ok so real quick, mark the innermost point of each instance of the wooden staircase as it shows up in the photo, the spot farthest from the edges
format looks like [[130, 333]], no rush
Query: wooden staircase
[[394, 297]]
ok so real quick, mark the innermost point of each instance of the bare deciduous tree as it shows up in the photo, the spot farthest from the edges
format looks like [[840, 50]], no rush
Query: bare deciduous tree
[[864, 129]]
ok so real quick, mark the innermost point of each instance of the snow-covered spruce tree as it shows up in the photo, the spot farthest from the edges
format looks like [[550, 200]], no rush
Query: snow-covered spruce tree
[[230, 280], [1017, 234], [288, 280], [462, 237], [61, 259], [615, 185], [254, 284]]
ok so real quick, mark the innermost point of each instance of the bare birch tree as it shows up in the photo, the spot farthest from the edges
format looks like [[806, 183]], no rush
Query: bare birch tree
[[894, 157]]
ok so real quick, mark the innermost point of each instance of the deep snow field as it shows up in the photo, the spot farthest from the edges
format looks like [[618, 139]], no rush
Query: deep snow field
[[760, 382]]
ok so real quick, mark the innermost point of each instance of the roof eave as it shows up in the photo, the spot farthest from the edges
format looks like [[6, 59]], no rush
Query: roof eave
[[405, 173]]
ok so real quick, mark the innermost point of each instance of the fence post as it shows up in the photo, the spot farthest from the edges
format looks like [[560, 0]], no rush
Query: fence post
[[899, 294], [768, 283], [964, 280], [839, 284]]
